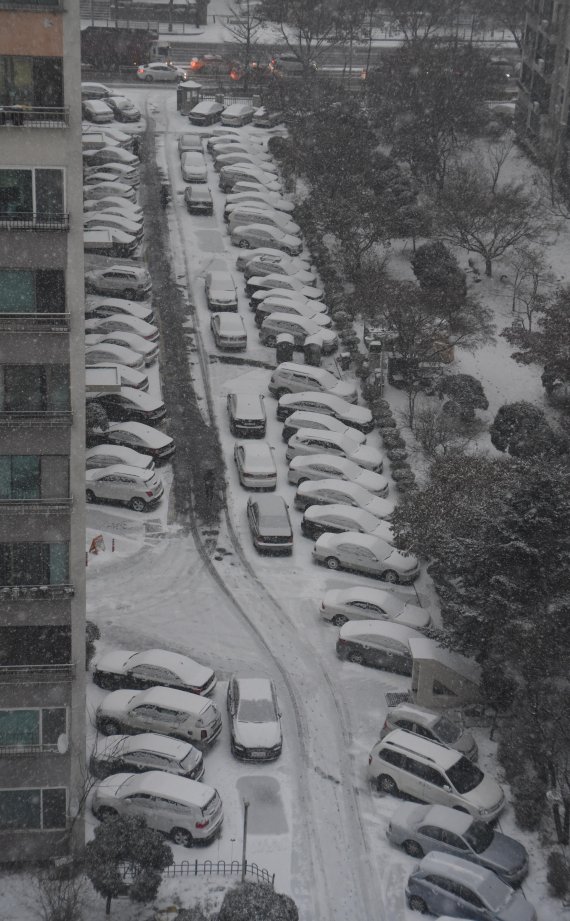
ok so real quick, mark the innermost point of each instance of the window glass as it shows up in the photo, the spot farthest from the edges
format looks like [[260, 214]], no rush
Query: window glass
[[57, 387], [20, 809], [24, 387], [16, 80], [16, 191], [54, 808], [47, 82], [35, 646], [5, 477], [50, 291], [16, 291], [19, 727], [59, 563], [25, 477], [49, 191], [54, 724]]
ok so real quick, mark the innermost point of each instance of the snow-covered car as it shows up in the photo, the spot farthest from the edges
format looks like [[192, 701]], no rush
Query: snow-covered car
[[366, 554], [362, 603], [141, 437], [247, 172], [223, 136], [321, 422], [282, 297], [206, 113], [132, 404], [131, 282], [357, 417], [114, 204], [122, 322], [103, 220], [91, 90], [308, 310], [183, 809], [102, 172], [229, 158], [333, 491], [269, 524], [248, 236], [124, 485], [229, 331], [108, 242], [419, 830], [123, 108], [128, 377], [439, 727], [148, 350], [254, 214], [117, 211], [198, 199], [300, 328], [95, 110], [193, 166], [221, 292], [318, 519], [262, 118], [255, 465], [181, 714], [280, 265], [104, 353], [102, 188], [147, 751], [323, 466], [269, 199], [377, 644], [189, 142], [244, 258], [116, 306], [161, 72], [90, 137], [255, 720], [312, 441], [107, 455], [238, 114], [293, 377], [109, 155], [125, 668], [286, 282]]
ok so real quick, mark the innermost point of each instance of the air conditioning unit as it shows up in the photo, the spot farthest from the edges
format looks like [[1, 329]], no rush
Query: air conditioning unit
[[540, 65], [536, 107]]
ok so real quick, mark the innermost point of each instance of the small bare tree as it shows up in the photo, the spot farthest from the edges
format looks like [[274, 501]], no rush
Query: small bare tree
[[497, 155], [533, 281], [58, 896], [244, 25]]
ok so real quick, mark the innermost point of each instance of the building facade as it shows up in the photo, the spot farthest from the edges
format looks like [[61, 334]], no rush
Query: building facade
[[42, 417], [544, 87]]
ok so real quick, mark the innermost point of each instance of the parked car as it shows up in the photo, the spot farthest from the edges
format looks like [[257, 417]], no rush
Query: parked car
[[357, 417], [124, 485], [318, 519], [342, 605], [223, 136], [320, 422], [193, 166], [257, 196], [183, 809], [181, 714], [278, 296], [106, 354], [103, 187], [107, 455], [439, 727], [125, 668], [147, 751], [285, 265], [123, 108], [122, 322], [109, 242], [285, 282], [309, 310], [262, 118], [95, 110], [246, 257], [255, 720], [101, 220], [128, 377], [243, 172], [94, 90], [198, 200], [341, 492], [379, 644], [442, 882], [224, 158], [114, 154], [309, 441], [221, 291], [248, 236], [189, 142], [247, 415], [292, 377], [91, 139], [148, 350], [322, 466], [131, 282], [238, 114], [366, 554], [420, 830], [116, 306], [111, 171], [130, 404], [141, 437], [206, 113], [162, 72], [115, 204], [300, 328], [402, 762], [255, 465], [270, 525], [229, 332]]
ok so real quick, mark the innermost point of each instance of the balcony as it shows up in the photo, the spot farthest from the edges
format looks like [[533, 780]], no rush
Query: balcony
[[36, 592], [39, 417], [34, 322], [35, 674], [34, 220], [28, 506], [34, 116]]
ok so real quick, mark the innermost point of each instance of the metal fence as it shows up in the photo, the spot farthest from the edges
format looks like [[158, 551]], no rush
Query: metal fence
[[34, 116], [210, 868], [33, 220]]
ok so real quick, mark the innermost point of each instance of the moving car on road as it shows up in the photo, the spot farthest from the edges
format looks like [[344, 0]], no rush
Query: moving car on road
[[161, 72]]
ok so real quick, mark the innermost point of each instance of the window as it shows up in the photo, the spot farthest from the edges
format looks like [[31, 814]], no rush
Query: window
[[31, 81], [33, 809], [391, 757], [20, 477], [34, 564], [35, 646], [439, 688], [32, 291], [34, 388], [27, 191], [27, 728]]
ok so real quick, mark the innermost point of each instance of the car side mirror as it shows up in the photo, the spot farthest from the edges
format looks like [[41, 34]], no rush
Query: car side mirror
[[447, 788]]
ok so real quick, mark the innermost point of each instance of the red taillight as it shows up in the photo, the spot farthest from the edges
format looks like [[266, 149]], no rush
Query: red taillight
[[204, 734], [341, 642], [203, 824], [149, 492], [140, 70]]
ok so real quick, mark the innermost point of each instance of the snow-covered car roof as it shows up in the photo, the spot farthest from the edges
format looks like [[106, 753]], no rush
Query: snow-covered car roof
[[152, 436], [171, 697], [161, 783], [120, 469], [114, 746], [381, 628]]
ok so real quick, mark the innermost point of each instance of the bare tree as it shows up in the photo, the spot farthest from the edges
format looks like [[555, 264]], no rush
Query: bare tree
[[419, 21], [507, 13], [307, 27], [533, 280], [497, 155], [58, 896], [245, 24]]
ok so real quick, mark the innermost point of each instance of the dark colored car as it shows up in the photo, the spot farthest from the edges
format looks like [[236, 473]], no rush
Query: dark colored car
[[270, 525], [198, 200], [255, 720]]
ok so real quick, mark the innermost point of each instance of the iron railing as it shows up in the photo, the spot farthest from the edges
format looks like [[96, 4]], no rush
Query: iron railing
[[34, 116], [32, 674], [36, 592], [41, 322], [36, 417], [34, 220], [210, 868], [27, 506]]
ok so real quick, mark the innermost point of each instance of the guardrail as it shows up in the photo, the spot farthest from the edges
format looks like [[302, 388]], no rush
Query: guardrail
[[34, 116], [210, 868]]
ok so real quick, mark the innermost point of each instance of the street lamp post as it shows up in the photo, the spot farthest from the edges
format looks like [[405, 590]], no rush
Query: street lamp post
[[243, 855]]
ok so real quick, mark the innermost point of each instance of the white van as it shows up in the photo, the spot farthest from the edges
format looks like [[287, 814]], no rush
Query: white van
[[229, 175], [238, 114], [291, 377], [298, 327]]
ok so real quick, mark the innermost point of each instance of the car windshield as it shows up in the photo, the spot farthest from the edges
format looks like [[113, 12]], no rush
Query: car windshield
[[465, 776], [446, 730], [256, 711], [479, 836]]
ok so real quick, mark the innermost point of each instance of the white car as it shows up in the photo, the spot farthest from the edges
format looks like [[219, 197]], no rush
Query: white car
[[114, 204], [368, 555], [313, 441], [341, 492], [131, 282], [255, 720], [307, 310], [286, 282], [193, 166], [249, 214], [272, 199], [106, 353], [126, 668], [109, 155], [128, 377], [321, 422], [161, 72], [220, 287], [229, 331], [239, 157], [317, 519], [107, 455], [115, 211], [301, 328], [254, 235], [181, 714], [281, 297], [255, 465], [109, 242], [147, 751], [102, 188], [324, 466], [122, 322], [361, 603], [244, 258], [141, 437], [285, 265], [124, 485], [293, 377], [113, 306], [102, 219], [223, 136], [103, 172], [95, 110], [148, 350], [357, 417]]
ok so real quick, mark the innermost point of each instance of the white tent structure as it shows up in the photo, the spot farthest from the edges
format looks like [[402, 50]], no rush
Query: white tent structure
[[442, 679]]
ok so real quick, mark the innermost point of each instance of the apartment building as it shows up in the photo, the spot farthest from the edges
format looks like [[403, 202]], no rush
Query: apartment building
[[544, 86], [42, 543]]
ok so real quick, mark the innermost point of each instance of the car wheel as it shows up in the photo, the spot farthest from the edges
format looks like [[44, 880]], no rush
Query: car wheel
[[356, 657], [149, 78], [391, 576], [243, 244], [413, 849], [110, 728], [418, 904], [387, 785], [340, 620], [182, 837], [130, 294], [106, 812], [271, 342], [332, 562], [137, 504], [90, 495], [283, 392]]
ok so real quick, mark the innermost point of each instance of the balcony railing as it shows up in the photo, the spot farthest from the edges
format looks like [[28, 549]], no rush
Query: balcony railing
[[33, 220], [36, 417], [36, 592], [16, 748], [32, 674], [36, 322], [34, 116], [26, 506]]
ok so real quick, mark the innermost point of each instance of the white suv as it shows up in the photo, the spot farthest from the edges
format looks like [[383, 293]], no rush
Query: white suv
[[402, 762]]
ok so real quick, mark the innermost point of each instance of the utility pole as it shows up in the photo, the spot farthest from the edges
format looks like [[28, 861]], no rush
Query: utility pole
[[243, 855]]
